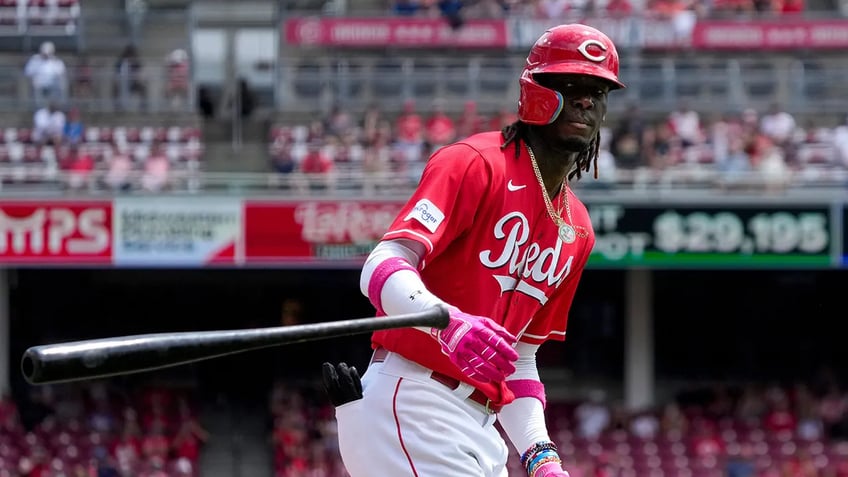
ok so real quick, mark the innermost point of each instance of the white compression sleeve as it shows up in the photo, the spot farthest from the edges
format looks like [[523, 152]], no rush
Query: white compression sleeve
[[523, 420], [403, 292]]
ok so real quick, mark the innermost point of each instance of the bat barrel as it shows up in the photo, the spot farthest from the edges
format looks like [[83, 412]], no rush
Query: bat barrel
[[99, 358]]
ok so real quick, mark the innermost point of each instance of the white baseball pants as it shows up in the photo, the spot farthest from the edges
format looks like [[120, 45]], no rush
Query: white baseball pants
[[408, 424]]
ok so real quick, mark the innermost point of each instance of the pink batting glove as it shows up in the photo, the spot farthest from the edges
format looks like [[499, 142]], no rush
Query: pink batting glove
[[551, 469], [480, 348]]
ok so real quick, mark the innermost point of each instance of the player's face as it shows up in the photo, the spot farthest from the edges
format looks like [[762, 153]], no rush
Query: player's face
[[584, 108]]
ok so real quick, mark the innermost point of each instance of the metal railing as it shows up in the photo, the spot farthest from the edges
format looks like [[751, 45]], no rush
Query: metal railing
[[21, 180], [708, 83]]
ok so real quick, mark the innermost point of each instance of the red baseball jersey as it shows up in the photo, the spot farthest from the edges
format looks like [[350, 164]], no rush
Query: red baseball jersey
[[492, 249]]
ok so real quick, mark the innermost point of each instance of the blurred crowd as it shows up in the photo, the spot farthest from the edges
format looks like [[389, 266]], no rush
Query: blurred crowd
[[747, 149], [61, 148], [303, 432], [746, 430], [94, 430]]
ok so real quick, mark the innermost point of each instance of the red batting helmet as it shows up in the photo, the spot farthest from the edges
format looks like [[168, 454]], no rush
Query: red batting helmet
[[572, 49]]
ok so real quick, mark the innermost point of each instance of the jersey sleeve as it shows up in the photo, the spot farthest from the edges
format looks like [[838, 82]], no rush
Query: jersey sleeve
[[551, 321], [453, 186]]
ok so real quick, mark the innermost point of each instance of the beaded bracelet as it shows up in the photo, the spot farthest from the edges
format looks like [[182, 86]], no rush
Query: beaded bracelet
[[540, 462], [533, 463], [536, 449]]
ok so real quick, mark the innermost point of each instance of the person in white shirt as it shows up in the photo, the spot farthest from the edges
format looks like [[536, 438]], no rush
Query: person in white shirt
[[47, 75], [778, 125], [686, 123], [48, 125]]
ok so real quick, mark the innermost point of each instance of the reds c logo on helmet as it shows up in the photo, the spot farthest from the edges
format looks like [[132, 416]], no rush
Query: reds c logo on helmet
[[572, 49]]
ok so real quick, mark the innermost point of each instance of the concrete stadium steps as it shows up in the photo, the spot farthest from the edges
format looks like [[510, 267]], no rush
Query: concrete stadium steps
[[104, 31], [163, 31]]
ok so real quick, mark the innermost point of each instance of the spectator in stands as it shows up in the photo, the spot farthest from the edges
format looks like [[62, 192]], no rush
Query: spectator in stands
[[177, 78], [127, 451], [49, 125], [742, 463], [129, 80], [673, 421], [339, 122], [833, 409], [155, 443], [685, 123], [79, 165], [319, 166], [593, 415], [119, 168], [627, 138], [371, 123], [778, 125], [840, 142], [189, 439], [810, 426], [470, 121], [74, 128], [661, 147], [645, 424], [780, 420], [409, 126], [440, 129], [47, 75], [376, 163], [771, 164], [736, 165], [282, 160], [504, 118], [157, 169]]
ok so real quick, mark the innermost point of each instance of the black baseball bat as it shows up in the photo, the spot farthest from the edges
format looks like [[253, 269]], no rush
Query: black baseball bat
[[99, 358]]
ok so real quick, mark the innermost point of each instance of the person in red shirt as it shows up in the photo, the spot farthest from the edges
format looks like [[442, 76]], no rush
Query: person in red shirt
[[440, 128], [318, 166], [470, 121], [494, 234], [409, 126], [780, 419]]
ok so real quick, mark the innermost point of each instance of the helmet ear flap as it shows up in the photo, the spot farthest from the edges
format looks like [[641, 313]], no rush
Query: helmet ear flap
[[537, 104]]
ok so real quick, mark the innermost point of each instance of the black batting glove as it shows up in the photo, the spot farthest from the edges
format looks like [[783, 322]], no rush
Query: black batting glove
[[342, 383]]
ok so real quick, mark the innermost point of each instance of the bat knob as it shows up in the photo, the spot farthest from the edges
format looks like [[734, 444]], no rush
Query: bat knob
[[30, 367]]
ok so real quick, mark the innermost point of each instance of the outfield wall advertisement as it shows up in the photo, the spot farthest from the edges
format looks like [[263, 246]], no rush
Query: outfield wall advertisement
[[711, 236], [230, 231]]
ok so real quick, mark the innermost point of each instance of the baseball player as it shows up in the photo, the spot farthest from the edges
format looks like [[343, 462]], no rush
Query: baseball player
[[494, 233]]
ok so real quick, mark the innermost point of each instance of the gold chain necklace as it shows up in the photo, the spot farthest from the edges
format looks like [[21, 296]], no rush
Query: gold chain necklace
[[567, 232]]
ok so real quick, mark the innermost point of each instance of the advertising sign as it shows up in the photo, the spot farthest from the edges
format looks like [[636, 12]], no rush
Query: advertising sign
[[711, 236], [314, 231], [395, 32], [42, 232], [181, 232], [625, 32], [771, 35]]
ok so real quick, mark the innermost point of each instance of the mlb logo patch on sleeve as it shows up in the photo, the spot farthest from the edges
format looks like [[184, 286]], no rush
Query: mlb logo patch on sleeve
[[428, 214]]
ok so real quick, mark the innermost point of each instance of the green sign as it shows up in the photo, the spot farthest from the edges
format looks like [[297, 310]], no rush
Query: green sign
[[709, 236]]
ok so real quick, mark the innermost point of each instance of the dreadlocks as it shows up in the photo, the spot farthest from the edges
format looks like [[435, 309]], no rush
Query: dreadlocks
[[586, 160]]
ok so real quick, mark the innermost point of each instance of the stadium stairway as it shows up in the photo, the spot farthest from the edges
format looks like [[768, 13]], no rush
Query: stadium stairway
[[238, 446], [101, 30], [222, 154]]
